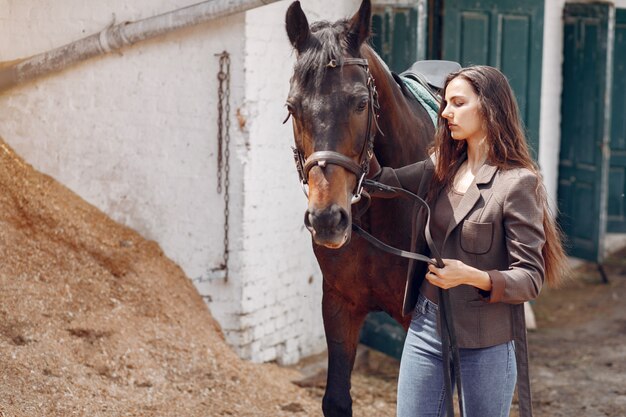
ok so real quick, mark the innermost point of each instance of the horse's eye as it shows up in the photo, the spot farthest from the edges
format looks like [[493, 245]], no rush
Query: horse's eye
[[290, 110], [362, 105]]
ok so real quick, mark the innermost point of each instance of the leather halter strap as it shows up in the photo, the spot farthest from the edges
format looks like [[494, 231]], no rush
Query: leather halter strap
[[351, 61], [323, 158]]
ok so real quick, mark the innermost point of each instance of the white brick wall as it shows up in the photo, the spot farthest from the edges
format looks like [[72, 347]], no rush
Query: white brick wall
[[135, 134]]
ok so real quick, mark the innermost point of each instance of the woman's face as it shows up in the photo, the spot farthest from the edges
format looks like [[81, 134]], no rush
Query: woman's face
[[462, 111]]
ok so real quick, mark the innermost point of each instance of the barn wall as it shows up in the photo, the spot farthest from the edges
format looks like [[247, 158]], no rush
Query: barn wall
[[135, 134]]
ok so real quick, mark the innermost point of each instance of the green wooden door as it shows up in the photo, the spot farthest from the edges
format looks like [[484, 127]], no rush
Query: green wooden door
[[507, 34], [394, 35], [583, 160], [617, 174]]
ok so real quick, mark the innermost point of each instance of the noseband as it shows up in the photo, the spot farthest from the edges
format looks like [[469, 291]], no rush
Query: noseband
[[324, 158]]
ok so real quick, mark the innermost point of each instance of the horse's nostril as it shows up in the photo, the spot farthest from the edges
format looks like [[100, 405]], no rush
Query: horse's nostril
[[331, 220], [308, 219], [344, 220]]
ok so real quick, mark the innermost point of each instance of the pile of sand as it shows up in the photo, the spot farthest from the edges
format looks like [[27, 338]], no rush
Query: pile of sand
[[96, 321]]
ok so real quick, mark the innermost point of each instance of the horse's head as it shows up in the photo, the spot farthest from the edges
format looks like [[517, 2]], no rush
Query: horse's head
[[332, 101]]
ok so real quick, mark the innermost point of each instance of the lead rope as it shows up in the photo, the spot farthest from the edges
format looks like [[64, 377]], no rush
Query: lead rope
[[450, 350]]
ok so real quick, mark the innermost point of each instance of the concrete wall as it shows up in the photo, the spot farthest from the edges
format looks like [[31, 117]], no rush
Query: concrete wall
[[135, 134]]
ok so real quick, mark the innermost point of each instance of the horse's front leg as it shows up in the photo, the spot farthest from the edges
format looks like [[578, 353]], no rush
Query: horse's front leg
[[342, 322]]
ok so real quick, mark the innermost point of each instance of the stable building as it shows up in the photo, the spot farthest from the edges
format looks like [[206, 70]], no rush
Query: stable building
[[179, 136]]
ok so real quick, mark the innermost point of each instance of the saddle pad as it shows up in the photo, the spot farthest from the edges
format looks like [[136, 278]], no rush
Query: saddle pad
[[424, 96]]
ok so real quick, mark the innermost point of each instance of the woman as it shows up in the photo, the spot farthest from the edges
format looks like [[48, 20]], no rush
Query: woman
[[491, 224]]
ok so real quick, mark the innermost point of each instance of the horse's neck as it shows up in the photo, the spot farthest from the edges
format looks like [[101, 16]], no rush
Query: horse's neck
[[397, 116]]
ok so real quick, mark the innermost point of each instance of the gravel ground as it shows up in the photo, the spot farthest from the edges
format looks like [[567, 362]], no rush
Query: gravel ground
[[577, 354]]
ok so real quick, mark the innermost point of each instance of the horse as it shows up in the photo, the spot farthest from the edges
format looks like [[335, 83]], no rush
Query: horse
[[345, 106]]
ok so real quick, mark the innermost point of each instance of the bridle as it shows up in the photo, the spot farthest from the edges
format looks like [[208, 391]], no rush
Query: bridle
[[323, 158]]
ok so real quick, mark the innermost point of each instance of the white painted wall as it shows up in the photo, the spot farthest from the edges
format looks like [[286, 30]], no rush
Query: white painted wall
[[135, 134], [551, 88]]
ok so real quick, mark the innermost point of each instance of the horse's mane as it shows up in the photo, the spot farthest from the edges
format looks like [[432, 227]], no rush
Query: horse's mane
[[328, 41]]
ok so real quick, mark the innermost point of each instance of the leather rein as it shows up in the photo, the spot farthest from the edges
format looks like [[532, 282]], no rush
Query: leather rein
[[450, 349]]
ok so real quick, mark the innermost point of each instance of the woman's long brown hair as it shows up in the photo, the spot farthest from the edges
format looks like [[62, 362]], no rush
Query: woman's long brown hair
[[507, 149]]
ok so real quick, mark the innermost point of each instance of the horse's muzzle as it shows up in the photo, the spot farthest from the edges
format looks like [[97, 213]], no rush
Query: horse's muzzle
[[329, 227]]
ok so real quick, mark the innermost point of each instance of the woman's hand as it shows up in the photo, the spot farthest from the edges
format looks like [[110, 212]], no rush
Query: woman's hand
[[456, 273]]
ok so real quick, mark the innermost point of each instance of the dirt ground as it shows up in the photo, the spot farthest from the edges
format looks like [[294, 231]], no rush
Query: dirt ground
[[577, 354], [95, 321]]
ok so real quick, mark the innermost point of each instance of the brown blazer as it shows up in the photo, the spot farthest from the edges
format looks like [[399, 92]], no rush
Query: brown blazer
[[497, 227]]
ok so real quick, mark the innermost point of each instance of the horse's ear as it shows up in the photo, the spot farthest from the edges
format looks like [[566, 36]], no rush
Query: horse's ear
[[360, 26], [297, 27]]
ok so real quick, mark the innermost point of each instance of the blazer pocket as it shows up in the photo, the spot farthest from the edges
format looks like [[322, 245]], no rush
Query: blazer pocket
[[476, 237]]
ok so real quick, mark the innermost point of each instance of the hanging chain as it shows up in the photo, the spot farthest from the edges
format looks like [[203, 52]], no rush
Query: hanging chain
[[223, 142]]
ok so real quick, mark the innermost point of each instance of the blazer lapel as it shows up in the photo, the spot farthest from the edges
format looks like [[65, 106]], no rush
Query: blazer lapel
[[471, 197]]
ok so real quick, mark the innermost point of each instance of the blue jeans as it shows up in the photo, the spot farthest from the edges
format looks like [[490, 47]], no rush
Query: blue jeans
[[488, 374]]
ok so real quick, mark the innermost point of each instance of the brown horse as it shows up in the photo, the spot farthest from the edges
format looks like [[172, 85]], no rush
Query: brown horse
[[333, 102]]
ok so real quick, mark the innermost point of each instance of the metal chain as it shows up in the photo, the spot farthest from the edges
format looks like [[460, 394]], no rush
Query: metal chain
[[223, 146]]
